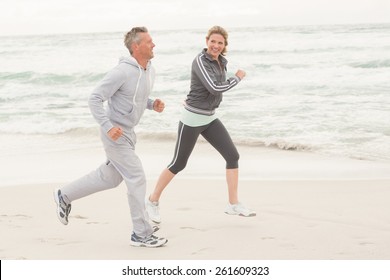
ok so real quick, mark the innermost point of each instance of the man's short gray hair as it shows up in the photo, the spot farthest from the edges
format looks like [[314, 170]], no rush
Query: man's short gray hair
[[133, 37]]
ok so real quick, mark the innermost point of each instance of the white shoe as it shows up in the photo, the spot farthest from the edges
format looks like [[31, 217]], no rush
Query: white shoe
[[153, 210], [239, 209]]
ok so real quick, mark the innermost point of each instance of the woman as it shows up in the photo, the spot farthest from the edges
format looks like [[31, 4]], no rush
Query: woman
[[208, 83]]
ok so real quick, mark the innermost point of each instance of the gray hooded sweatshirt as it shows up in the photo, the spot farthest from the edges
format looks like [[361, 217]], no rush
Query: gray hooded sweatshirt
[[126, 88]]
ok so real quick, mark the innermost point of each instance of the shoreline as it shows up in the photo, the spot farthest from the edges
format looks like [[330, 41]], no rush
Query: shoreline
[[62, 159]]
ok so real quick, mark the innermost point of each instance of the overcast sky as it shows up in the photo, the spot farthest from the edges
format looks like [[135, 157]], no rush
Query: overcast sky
[[18, 17]]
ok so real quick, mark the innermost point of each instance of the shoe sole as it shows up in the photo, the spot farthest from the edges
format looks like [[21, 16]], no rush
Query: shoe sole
[[241, 215], [55, 194], [139, 244]]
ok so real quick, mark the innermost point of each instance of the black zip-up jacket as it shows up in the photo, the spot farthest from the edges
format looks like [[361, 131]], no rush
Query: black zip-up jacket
[[208, 82]]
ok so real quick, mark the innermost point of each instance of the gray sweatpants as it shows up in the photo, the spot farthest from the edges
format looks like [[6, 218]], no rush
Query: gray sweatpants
[[122, 164]]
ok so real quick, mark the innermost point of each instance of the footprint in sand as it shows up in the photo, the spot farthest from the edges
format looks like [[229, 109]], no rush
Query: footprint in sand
[[57, 241], [192, 228], [79, 217], [267, 238], [86, 218], [366, 243], [18, 216], [13, 220], [199, 251], [183, 209]]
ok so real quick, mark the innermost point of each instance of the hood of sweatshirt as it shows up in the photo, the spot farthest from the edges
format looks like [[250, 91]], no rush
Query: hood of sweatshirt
[[132, 61]]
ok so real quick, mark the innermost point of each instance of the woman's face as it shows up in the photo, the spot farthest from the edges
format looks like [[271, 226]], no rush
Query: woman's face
[[215, 45]]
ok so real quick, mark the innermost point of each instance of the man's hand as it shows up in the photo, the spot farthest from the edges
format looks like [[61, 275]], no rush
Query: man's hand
[[115, 132], [158, 105]]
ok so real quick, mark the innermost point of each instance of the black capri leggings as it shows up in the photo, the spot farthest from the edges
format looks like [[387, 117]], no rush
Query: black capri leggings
[[215, 133]]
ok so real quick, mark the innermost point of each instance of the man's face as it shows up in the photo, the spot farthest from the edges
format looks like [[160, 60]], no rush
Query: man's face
[[145, 46]]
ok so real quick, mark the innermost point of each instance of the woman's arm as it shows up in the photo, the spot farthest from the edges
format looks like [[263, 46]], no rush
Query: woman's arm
[[204, 72]]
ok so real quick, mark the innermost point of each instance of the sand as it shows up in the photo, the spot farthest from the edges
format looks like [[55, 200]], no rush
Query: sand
[[309, 206]]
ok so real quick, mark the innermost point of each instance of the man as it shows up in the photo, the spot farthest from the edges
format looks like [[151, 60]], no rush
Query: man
[[126, 89]]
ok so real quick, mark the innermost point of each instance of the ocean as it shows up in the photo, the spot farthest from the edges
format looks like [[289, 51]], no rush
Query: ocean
[[321, 89]]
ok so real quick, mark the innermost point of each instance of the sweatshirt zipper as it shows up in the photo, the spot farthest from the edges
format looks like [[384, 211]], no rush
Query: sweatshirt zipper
[[136, 88]]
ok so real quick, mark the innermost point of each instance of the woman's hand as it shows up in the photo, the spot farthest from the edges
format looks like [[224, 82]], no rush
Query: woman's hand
[[240, 74]]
